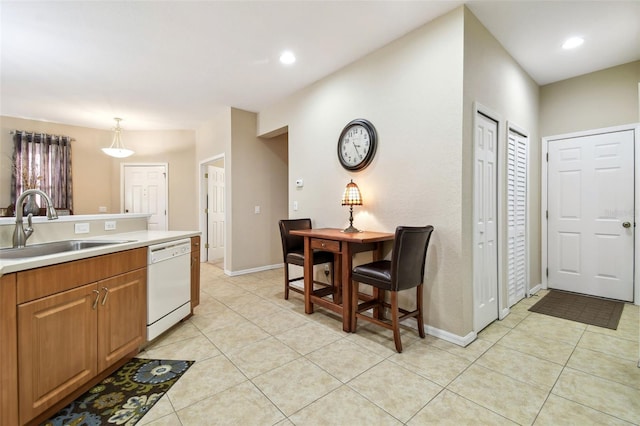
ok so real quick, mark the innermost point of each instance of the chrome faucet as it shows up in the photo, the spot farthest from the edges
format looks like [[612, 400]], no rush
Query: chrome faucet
[[20, 234]]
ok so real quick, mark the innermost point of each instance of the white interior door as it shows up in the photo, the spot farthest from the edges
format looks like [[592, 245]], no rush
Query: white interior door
[[485, 208], [591, 214], [215, 213], [517, 159], [145, 191]]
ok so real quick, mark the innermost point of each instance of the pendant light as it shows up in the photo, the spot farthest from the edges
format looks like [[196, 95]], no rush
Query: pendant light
[[117, 148]]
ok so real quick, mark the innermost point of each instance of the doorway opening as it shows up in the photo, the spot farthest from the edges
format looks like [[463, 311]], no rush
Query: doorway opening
[[212, 211]]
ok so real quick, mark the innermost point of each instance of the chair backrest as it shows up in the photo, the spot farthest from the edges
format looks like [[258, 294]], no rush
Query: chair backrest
[[408, 257], [292, 242]]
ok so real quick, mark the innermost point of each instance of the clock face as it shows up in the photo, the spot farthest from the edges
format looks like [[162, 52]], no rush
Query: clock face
[[357, 145]]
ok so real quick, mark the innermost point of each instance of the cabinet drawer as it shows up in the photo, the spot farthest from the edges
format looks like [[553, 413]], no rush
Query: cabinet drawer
[[325, 245], [40, 282]]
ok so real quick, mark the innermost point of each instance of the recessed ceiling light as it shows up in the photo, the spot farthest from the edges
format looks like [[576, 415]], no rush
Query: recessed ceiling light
[[572, 43], [287, 57]]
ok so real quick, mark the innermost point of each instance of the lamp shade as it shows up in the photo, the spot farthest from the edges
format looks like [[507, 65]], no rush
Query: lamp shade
[[352, 196], [117, 148]]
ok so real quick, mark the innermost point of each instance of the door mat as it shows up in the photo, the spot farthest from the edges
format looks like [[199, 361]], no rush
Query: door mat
[[577, 307], [123, 397]]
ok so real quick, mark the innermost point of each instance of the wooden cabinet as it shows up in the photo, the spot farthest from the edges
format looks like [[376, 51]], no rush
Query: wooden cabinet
[[56, 346], [122, 316], [74, 321], [195, 272], [8, 352]]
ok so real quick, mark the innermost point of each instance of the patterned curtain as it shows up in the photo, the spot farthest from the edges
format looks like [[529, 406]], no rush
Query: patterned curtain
[[44, 162]]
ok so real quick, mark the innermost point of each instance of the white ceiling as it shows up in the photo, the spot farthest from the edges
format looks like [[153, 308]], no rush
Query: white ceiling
[[171, 64]]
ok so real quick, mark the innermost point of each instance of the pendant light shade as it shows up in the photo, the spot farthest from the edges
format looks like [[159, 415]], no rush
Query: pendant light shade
[[117, 148]]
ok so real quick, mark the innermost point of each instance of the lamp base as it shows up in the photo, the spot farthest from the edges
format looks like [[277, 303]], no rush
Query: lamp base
[[351, 230]]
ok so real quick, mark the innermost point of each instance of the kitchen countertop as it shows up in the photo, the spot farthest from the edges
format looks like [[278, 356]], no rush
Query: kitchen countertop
[[135, 239]]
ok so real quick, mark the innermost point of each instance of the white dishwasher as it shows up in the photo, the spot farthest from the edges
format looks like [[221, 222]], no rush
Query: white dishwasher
[[168, 285]]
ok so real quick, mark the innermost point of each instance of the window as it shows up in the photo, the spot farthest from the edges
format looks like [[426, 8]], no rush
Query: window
[[44, 162]]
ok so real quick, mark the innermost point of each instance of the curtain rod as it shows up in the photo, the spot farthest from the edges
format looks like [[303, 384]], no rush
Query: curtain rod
[[13, 132]]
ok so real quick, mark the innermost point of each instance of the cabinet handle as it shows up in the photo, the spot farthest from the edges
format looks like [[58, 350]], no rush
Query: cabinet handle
[[95, 302], [106, 294]]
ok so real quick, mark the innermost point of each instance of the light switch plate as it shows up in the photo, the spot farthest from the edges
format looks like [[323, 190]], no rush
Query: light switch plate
[[82, 228]]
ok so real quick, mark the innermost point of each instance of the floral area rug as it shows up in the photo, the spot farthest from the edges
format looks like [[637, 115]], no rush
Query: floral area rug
[[123, 397]]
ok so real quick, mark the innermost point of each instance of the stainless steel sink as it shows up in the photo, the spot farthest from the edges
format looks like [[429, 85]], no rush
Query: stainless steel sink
[[55, 248]]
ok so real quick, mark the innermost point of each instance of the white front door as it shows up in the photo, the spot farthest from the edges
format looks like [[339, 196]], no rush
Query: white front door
[[215, 213], [591, 214], [145, 191], [485, 208]]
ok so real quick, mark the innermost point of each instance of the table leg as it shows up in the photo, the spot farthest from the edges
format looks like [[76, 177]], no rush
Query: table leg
[[337, 279], [308, 275], [347, 285]]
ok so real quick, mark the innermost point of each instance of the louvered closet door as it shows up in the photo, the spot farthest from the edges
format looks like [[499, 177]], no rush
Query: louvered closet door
[[516, 217]]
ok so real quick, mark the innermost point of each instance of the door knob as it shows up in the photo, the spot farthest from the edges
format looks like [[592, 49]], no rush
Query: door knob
[[626, 224]]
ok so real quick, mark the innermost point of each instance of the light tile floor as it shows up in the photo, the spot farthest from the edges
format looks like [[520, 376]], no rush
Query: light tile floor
[[261, 361]]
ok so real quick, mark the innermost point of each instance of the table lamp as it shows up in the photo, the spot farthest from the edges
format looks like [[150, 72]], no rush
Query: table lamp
[[351, 198]]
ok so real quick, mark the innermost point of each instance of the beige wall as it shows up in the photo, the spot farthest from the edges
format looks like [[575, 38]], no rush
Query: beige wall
[[213, 137], [177, 148], [601, 99], [411, 90], [419, 98], [259, 178], [495, 80], [96, 177], [92, 170], [255, 175]]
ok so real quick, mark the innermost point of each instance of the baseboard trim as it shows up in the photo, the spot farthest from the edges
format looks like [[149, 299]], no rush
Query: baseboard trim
[[252, 270], [450, 337], [535, 289], [504, 313]]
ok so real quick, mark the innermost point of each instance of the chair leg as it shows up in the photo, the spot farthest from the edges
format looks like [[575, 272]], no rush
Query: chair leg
[[395, 323], [419, 317], [286, 281], [378, 311]]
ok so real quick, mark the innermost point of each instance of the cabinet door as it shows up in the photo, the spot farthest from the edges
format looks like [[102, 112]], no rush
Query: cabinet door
[[195, 272], [57, 347], [122, 316]]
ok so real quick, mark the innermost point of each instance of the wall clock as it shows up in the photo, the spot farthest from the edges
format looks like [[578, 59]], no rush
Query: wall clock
[[357, 144]]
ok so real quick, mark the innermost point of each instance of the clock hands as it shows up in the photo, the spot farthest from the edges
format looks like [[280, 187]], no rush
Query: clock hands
[[356, 148]]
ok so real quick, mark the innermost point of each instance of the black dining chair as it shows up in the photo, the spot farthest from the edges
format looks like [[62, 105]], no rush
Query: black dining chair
[[404, 271], [293, 253]]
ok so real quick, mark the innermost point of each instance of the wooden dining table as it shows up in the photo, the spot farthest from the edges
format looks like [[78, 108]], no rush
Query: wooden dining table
[[343, 245]]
